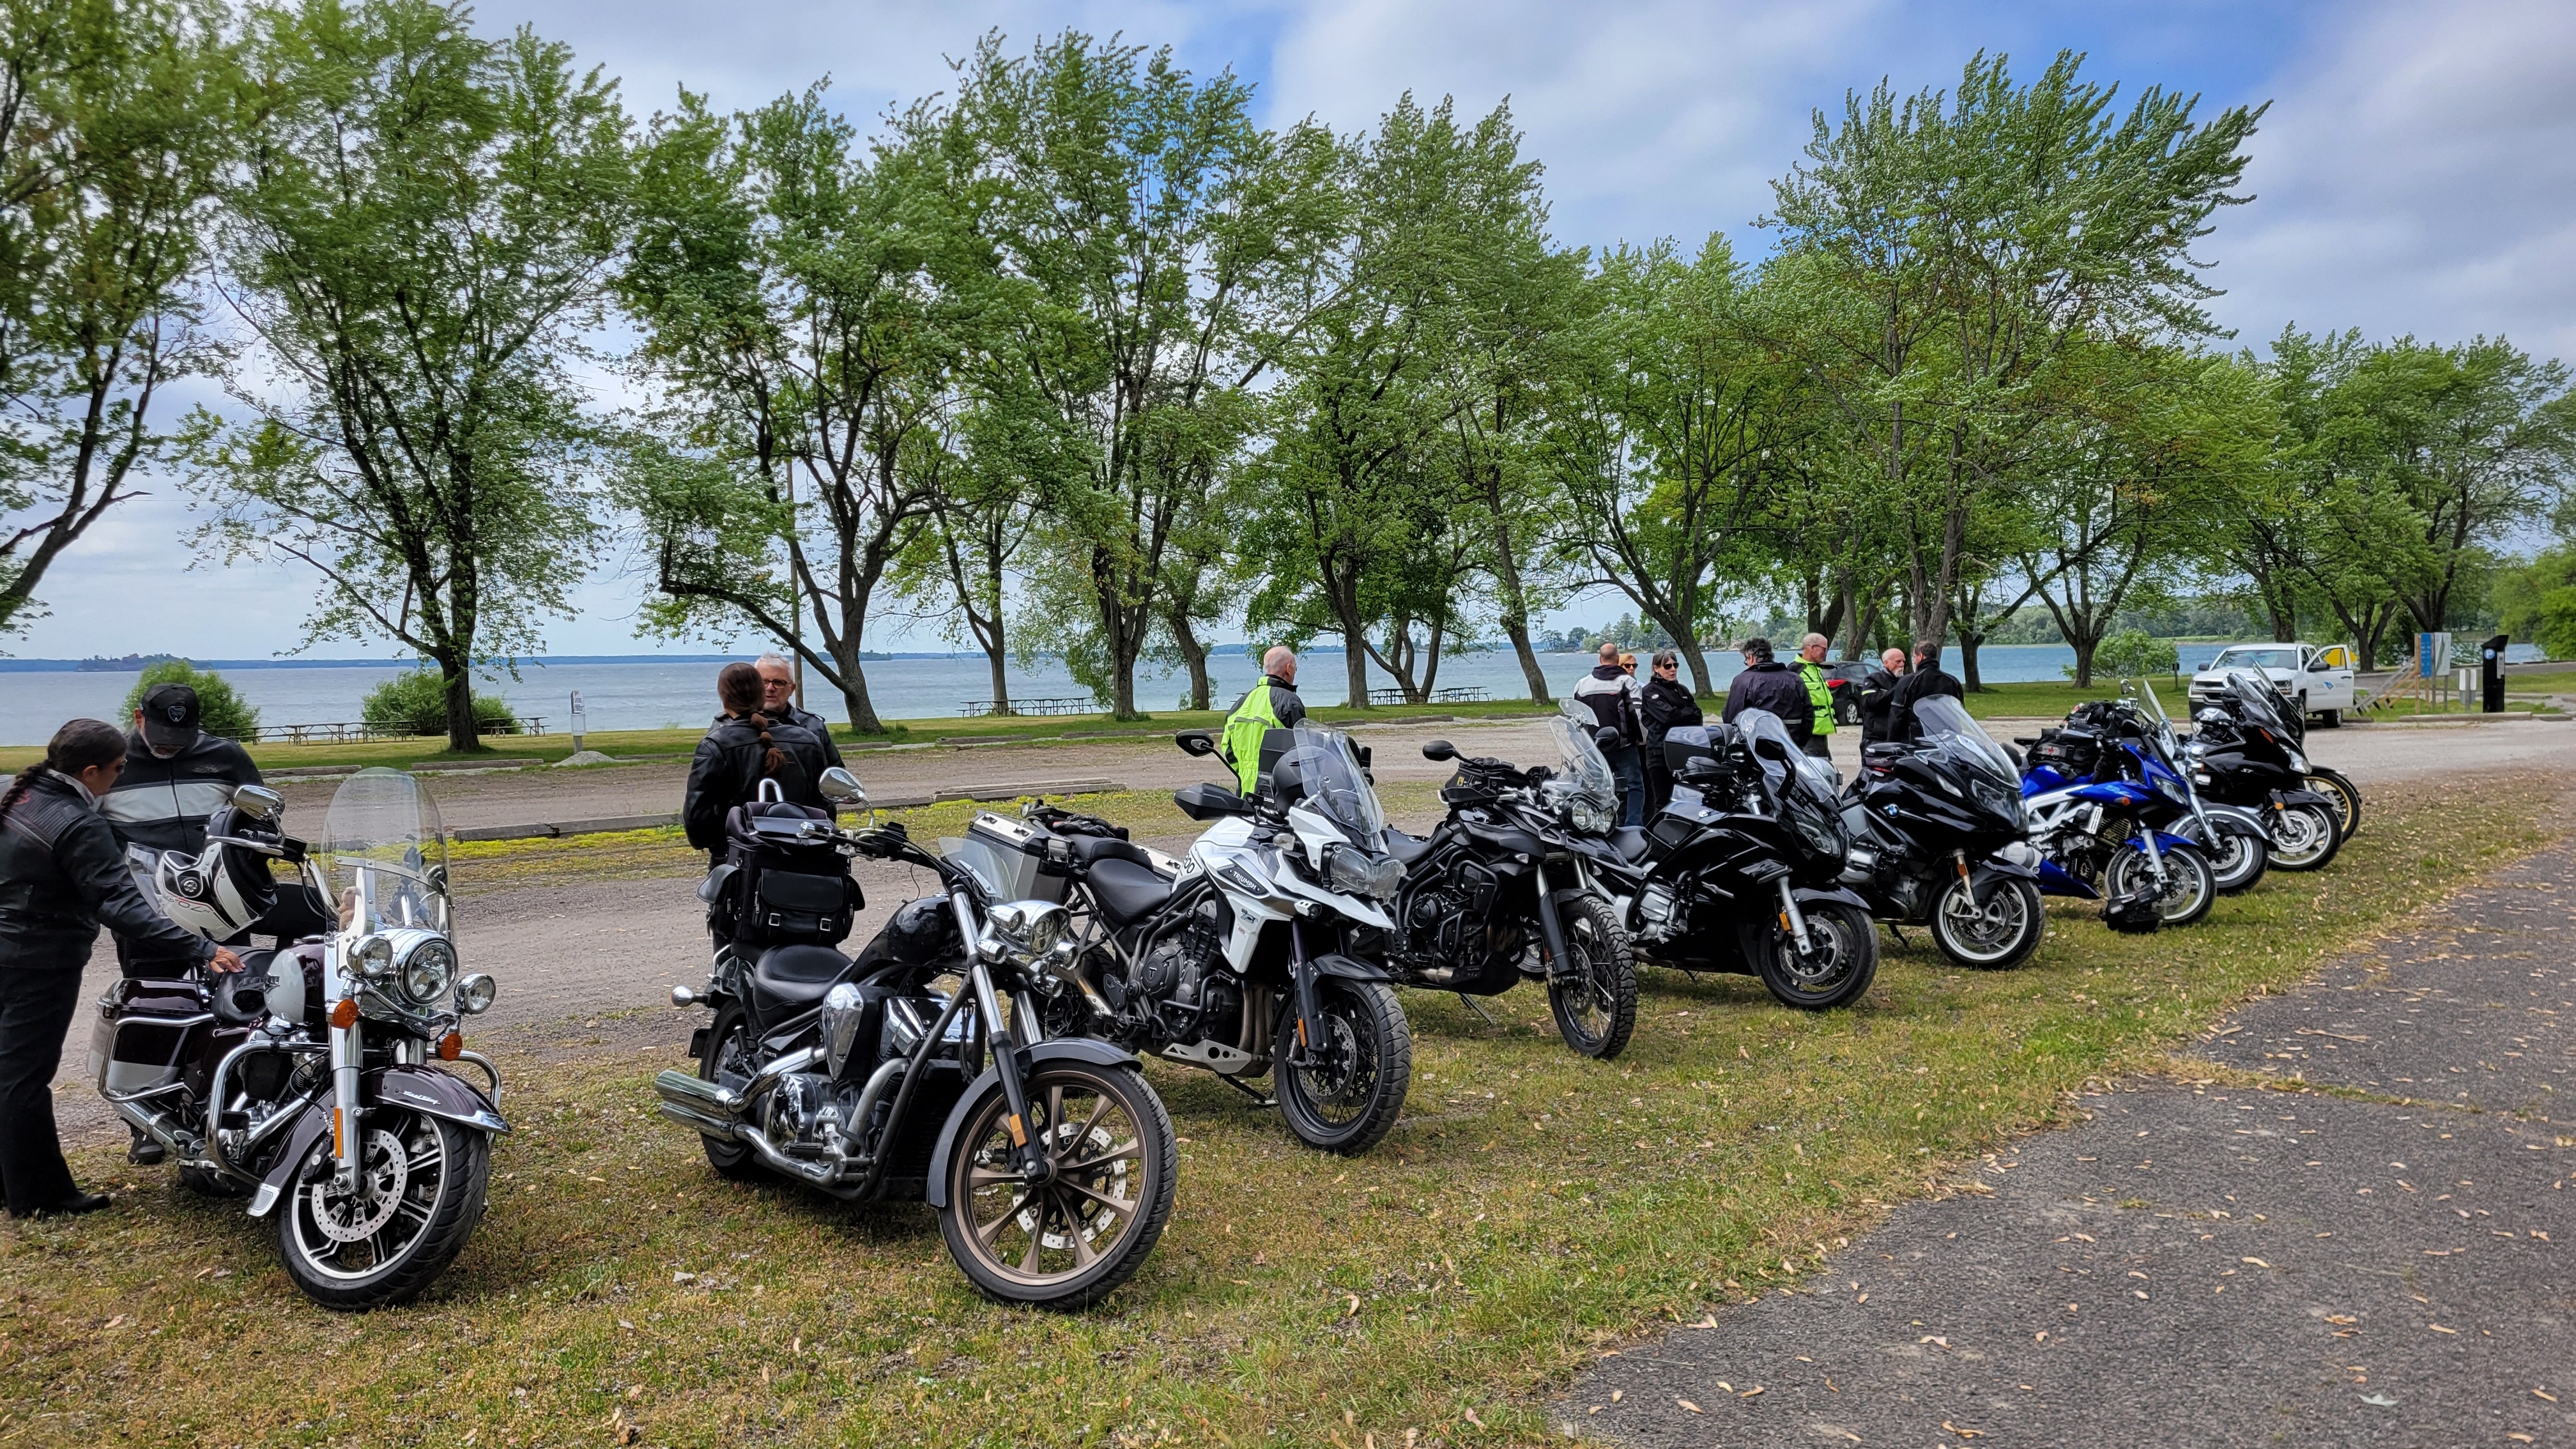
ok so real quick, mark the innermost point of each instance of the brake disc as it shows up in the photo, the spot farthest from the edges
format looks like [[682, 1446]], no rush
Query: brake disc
[[384, 1172]]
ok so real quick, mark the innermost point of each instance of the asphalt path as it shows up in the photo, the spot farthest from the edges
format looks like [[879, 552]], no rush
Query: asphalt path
[[2215, 1265]]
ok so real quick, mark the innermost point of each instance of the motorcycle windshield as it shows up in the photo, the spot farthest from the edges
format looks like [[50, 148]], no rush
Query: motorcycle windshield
[[1586, 771], [1319, 771], [2259, 700], [383, 841], [1802, 774], [1947, 726]]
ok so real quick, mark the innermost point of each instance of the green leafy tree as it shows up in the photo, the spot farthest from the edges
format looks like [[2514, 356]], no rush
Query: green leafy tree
[[419, 244], [115, 122], [2129, 654], [416, 702], [220, 709]]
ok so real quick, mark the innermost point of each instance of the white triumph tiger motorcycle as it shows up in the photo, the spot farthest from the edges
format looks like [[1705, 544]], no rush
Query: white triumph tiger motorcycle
[[312, 1081]]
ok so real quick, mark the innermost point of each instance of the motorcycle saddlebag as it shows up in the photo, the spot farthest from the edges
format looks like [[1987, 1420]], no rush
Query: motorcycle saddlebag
[[2071, 752], [1686, 743], [783, 892], [143, 1032]]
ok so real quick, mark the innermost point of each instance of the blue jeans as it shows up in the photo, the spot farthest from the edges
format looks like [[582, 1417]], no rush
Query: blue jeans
[[1628, 766]]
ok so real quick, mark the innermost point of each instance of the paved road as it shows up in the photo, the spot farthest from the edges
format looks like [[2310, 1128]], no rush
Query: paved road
[[2217, 1266]]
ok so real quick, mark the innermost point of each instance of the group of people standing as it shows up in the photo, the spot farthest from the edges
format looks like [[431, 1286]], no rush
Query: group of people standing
[[1800, 694]]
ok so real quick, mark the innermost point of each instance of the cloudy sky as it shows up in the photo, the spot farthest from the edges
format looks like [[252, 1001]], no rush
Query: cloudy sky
[[2416, 173]]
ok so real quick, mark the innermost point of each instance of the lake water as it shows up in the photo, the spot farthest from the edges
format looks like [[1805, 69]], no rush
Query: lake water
[[646, 692]]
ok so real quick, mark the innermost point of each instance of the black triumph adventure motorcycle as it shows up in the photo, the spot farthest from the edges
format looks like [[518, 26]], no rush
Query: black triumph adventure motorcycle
[[1939, 839], [919, 1070], [2247, 753], [1742, 871], [1493, 895]]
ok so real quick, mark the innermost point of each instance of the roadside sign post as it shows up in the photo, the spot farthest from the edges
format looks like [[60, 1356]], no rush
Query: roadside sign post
[[2491, 657], [580, 722]]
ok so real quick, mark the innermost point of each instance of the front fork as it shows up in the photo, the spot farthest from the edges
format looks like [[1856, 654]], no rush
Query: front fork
[[1793, 918], [1027, 1153], [347, 1053], [1551, 927]]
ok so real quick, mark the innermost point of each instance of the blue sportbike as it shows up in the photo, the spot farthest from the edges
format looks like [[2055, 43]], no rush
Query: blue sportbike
[[2105, 807]]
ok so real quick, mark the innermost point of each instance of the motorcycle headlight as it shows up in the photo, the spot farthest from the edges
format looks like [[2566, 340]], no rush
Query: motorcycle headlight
[[1356, 872], [428, 970], [1029, 929], [1588, 816], [2298, 762], [474, 993], [1819, 836], [373, 957]]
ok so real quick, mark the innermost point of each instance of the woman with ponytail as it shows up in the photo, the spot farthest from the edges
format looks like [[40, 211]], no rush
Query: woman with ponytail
[[744, 747], [62, 873]]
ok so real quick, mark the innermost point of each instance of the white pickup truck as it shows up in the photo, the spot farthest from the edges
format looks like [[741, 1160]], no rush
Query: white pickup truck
[[2313, 680]]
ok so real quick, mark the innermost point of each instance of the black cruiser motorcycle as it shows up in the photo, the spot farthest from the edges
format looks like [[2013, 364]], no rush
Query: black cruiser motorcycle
[[1252, 954], [919, 1069], [1939, 840], [1742, 871], [1493, 895], [314, 1081]]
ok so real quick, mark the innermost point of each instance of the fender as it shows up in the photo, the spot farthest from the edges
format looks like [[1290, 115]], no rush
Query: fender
[[2164, 842], [1810, 894], [2228, 820], [1061, 1049], [1349, 968], [2054, 881], [2307, 797], [425, 1090]]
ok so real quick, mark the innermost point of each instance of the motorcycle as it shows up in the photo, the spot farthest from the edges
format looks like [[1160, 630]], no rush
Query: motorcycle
[[1493, 895], [2246, 753], [2238, 842], [1051, 1162], [1939, 840], [1249, 954], [1741, 871], [312, 1081], [2103, 822]]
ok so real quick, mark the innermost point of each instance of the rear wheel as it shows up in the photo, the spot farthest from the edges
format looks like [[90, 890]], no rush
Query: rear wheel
[[2330, 719], [2188, 887], [2304, 837], [1343, 1091], [1069, 1239], [1596, 1001], [2001, 931], [420, 1191], [729, 1060], [1836, 968]]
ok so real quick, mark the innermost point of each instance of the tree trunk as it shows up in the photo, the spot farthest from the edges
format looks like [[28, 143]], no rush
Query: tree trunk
[[1194, 654], [1968, 679], [854, 685], [1531, 674], [457, 681], [1515, 599], [1701, 683], [1001, 680], [2084, 639]]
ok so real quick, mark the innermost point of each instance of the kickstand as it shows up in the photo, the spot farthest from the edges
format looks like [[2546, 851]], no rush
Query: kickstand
[[1898, 932], [1478, 1007], [1258, 1100]]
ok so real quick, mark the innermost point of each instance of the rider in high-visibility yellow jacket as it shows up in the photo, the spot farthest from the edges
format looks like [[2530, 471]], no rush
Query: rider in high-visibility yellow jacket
[[1820, 695], [1269, 705]]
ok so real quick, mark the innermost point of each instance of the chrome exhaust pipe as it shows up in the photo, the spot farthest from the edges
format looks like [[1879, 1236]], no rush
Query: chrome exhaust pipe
[[709, 1106]]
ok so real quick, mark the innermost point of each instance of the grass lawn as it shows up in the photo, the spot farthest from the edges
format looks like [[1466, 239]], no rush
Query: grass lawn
[[1533, 1211]]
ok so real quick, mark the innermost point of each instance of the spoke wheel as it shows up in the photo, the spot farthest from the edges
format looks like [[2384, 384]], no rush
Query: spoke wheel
[[2002, 932], [2304, 837], [420, 1191], [1343, 1090], [1067, 1238], [2188, 888], [1596, 1002], [729, 1060], [2347, 801], [1837, 967]]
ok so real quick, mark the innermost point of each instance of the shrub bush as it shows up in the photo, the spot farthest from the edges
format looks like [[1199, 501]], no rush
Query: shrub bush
[[414, 703], [2134, 654], [220, 709]]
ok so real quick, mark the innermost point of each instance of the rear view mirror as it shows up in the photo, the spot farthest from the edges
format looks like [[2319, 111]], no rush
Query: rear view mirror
[[1209, 802], [842, 788], [1196, 743], [258, 801], [1439, 750], [1771, 749], [1607, 737], [1699, 771]]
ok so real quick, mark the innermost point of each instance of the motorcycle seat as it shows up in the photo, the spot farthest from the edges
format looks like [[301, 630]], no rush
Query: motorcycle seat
[[1090, 850], [1630, 842], [792, 978], [1404, 847], [1125, 891]]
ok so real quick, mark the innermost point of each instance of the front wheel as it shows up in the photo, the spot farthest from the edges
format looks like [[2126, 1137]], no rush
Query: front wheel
[[2304, 837], [1595, 999], [1836, 968], [1343, 1091], [2188, 887], [420, 1191], [2001, 932], [2236, 862], [1066, 1239], [2347, 800]]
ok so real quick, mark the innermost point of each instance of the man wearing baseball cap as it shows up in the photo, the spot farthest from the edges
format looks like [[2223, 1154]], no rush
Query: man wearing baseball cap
[[175, 776]]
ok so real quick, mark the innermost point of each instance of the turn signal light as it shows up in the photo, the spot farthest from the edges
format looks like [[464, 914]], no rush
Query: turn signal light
[[449, 1045], [345, 1015]]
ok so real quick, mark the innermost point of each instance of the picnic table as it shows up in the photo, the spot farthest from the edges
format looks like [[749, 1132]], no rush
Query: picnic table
[[1067, 704], [1457, 694], [343, 732]]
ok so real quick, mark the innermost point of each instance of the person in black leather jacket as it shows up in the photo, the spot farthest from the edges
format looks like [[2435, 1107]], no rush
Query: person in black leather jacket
[[1926, 679], [744, 748], [1768, 684], [176, 776], [62, 873], [1667, 702]]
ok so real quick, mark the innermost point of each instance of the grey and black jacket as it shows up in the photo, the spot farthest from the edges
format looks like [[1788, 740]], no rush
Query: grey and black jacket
[[63, 874], [163, 804]]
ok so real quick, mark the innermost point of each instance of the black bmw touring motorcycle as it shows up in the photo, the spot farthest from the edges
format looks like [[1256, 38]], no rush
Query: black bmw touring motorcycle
[[918, 1070]]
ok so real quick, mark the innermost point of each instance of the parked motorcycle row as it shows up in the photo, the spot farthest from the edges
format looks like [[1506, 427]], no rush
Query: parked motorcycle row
[[982, 1053]]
